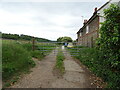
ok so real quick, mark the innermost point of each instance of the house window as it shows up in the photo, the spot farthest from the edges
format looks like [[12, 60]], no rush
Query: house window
[[87, 29], [80, 34]]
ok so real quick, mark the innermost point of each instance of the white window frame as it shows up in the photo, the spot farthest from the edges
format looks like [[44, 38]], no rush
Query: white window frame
[[87, 29], [80, 34]]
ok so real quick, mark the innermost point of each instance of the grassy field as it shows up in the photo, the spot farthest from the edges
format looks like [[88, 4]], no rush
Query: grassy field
[[93, 59], [17, 58]]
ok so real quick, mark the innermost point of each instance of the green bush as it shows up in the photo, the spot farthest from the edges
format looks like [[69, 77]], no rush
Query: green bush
[[14, 59], [95, 61], [109, 41]]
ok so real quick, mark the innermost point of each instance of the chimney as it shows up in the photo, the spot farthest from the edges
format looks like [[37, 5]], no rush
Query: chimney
[[95, 10], [85, 21]]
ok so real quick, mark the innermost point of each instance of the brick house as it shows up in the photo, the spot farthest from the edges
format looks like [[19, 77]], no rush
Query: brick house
[[89, 32], [87, 35]]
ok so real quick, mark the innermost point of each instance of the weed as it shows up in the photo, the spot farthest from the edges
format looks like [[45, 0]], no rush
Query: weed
[[59, 62]]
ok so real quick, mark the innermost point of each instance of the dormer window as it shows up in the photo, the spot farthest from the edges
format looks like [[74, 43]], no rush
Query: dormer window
[[87, 29]]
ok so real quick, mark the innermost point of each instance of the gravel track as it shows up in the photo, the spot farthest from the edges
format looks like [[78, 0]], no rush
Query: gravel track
[[42, 76]]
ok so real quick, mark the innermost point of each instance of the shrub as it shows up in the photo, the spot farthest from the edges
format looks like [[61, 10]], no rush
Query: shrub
[[95, 61], [109, 41]]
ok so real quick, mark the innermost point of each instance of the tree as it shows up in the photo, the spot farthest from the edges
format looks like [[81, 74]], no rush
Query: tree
[[64, 39], [23, 37], [59, 39]]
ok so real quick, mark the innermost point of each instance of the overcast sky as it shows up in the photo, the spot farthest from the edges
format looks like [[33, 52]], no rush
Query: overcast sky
[[45, 19]]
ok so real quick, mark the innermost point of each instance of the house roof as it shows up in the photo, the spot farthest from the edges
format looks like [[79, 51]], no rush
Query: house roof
[[104, 5], [93, 16]]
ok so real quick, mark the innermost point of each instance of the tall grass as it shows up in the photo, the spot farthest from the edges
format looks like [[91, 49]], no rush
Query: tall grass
[[15, 58], [41, 49]]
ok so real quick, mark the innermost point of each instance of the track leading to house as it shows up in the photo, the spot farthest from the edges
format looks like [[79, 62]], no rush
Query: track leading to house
[[75, 76], [42, 75]]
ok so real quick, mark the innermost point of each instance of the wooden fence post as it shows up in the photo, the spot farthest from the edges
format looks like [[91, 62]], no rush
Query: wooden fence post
[[33, 44]]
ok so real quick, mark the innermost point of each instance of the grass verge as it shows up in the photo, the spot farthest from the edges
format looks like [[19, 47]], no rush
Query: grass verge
[[17, 59], [95, 61], [59, 63]]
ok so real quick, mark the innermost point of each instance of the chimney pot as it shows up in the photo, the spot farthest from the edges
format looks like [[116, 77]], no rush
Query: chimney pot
[[95, 9], [85, 21]]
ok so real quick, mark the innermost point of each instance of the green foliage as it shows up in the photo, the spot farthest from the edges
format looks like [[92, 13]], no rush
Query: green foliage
[[27, 46], [37, 54], [64, 39], [23, 37], [59, 62], [40, 50], [45, 48], [94, 60], [109, 41], [15, 58], [104, 60], [59, 39], [10, 36]]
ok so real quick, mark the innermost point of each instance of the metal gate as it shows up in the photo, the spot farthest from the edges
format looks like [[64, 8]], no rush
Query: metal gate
[[48, 47]]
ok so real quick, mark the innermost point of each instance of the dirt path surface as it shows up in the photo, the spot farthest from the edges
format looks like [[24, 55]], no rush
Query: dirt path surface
[[42, 75], [74, 77]]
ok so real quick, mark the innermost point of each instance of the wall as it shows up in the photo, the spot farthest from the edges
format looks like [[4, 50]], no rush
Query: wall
[[89, 38], [94, 25], [101, 11]]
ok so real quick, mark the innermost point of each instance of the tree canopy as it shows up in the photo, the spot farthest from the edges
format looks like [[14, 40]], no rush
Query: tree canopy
[[22, 37], [64, 39]]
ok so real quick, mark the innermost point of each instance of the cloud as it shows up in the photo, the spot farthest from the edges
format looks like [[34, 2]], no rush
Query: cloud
[[7, 18], [45, 20], [54, 0]]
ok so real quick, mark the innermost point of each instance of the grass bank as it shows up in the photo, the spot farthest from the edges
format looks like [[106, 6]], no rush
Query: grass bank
[[17, 59], [95, 61]]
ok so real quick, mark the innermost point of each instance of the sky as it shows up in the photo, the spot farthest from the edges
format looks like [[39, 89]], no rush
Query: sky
[[49, 19]]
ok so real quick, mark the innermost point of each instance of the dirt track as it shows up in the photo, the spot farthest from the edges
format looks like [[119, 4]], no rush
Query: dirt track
[[42, 75]]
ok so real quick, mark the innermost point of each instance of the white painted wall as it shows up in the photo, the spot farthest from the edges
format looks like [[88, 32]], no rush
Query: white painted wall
[[101, 11]]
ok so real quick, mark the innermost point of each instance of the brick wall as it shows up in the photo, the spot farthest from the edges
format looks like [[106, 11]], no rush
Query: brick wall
[[90, 38]]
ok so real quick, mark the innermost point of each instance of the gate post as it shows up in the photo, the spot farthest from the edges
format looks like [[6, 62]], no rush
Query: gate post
[[33, 44]]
